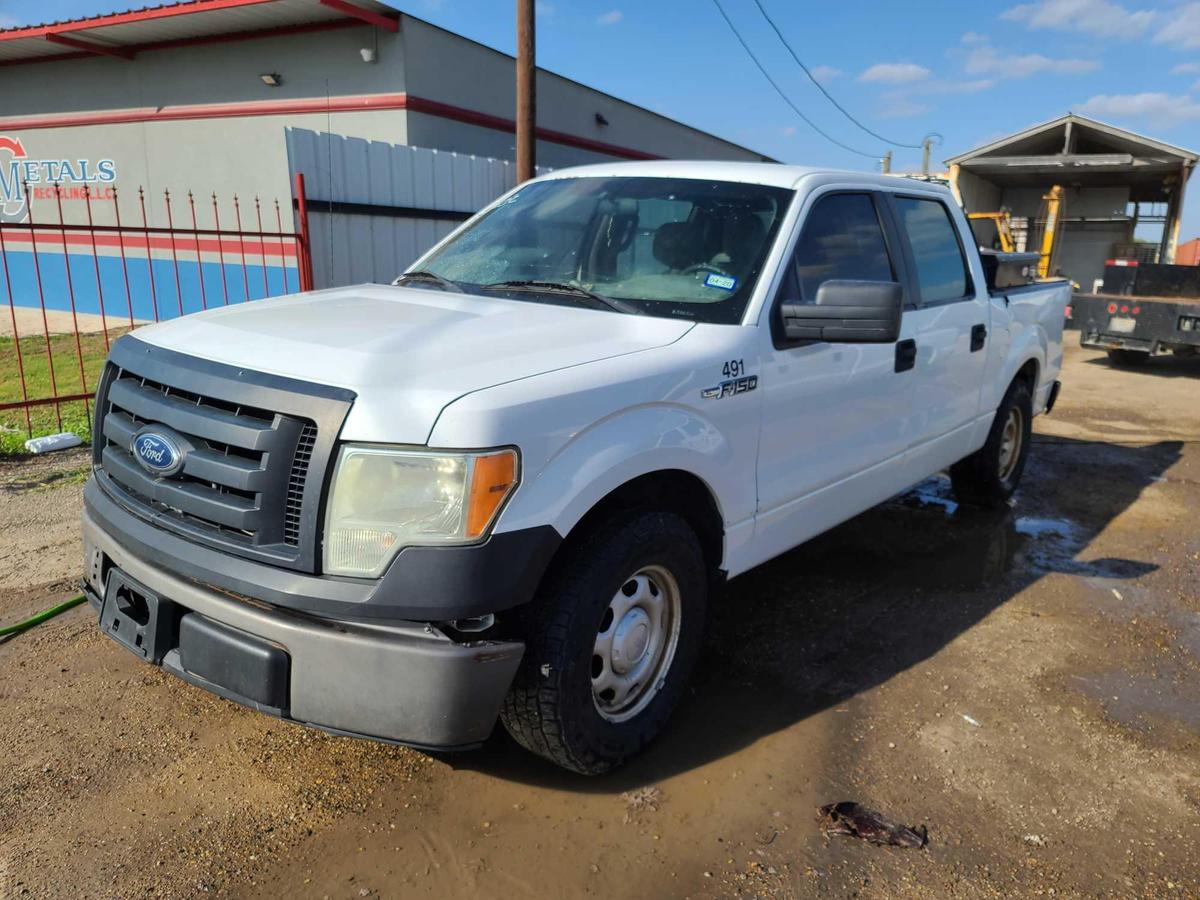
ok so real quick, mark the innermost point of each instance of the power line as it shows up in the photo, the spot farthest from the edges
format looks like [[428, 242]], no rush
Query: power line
[[820, 87], [811, 124]]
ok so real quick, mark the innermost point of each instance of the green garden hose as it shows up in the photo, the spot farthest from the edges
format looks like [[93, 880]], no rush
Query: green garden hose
[[42, 616]]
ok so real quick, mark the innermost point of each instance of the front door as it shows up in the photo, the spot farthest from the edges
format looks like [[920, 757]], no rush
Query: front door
[[835, 415]]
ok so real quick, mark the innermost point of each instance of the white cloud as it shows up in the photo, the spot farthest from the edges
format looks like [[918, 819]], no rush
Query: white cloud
[[894, 73], [612, 17], [1186, 69], [788, 131], [1182, 29], [1157, 108], [825, 74], [1097, 17], [901, 108], [987, 60], [973, 37]]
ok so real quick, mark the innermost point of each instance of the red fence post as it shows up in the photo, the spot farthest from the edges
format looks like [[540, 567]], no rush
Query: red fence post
[[37, 270], [87, 198], [149, 252], [174, 255], [124, 261], [237, 211], [303, 243], [220, 248], [282, 249], [262, 246], [199, 258], [62, 227], [12, 312]]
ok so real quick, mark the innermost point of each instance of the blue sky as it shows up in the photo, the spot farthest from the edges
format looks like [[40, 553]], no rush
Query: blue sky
[[970, 72]]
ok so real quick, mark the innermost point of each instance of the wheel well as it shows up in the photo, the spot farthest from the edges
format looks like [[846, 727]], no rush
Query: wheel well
[[672, 490], [1028, 373]]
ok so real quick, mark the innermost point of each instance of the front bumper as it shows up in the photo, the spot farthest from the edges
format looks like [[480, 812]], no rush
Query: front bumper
[[405, 682]]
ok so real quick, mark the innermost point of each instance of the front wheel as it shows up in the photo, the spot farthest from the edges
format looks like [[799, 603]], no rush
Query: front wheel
[[990, 475], [611, 641]]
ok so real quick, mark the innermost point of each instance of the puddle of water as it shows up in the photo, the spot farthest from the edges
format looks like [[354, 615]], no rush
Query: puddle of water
[[1138, 700], [1036, 527], [935, 492]]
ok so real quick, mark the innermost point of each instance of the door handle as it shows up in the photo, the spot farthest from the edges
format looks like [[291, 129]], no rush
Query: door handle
[[978, 337], [906, 355]]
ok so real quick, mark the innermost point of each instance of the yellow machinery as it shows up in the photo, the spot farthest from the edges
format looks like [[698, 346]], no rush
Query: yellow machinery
[[1003, 222], [1051, 217], [1052, 204]]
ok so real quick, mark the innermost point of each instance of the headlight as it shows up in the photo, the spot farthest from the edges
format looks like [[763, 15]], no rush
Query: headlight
[[384, 499]]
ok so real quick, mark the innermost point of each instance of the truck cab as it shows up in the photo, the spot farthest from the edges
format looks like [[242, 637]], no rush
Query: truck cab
[[508, 485]]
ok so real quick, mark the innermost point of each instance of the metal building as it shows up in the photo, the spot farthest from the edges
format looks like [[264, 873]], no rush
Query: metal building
[[196, 96], [1121, 193], [161, 139]]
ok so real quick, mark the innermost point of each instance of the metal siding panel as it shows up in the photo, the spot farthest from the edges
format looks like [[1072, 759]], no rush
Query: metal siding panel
[[355, 248]]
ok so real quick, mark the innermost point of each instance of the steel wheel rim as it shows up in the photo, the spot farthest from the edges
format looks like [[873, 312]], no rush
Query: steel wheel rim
[[1011, 439], [635, 644]]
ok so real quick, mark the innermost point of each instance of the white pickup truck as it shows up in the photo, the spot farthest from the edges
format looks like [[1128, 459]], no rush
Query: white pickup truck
[[506, 486]]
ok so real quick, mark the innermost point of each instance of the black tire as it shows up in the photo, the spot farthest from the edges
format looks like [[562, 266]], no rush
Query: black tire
[[986, 477], [550, 708], [1130, 358]]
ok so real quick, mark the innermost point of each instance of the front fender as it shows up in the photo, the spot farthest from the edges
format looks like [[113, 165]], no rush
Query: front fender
[[623, 446]]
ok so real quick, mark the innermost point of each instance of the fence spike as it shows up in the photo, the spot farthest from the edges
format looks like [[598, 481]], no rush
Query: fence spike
[[174, 254], [149, 251]]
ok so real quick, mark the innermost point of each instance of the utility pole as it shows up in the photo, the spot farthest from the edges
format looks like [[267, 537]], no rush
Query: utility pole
[[926, 148], [526, 93], [886, 163]]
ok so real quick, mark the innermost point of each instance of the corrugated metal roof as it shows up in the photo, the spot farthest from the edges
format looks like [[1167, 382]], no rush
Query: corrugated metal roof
[[170, 23]]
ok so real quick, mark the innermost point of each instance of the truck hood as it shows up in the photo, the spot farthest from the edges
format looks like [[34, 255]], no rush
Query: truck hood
[[407, 352]]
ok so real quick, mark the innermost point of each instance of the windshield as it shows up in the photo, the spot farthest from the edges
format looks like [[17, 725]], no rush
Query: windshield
[[664, 246]]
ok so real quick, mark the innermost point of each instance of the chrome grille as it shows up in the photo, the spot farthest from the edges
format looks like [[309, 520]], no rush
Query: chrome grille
[[255, 445]]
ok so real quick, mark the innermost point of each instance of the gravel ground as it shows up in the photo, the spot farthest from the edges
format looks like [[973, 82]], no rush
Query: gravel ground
[[1022, 683]]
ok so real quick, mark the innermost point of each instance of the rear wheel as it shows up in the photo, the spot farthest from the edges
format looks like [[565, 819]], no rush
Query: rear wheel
[[1129, 358], [610, 642], [989, 476]]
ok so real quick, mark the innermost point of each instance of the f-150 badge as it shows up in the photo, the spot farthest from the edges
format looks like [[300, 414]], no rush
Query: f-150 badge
[[730, 387]]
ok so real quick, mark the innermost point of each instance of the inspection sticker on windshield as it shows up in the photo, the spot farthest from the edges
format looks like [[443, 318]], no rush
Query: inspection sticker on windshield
[[724, 282]]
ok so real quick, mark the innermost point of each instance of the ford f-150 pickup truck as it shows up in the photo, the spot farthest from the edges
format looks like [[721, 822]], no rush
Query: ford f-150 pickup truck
[[505, 486]]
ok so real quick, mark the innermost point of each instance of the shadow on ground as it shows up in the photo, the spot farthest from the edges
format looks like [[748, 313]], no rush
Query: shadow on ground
[[1160, 366], [872, 598]]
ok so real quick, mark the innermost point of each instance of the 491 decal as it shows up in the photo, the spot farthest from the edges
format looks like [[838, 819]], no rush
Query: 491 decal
[[17, 170]]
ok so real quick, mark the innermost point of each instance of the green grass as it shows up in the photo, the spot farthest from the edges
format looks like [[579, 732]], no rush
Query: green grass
[[75, 416]]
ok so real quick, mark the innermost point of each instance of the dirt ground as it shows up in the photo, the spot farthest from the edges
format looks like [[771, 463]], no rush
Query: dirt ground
[[1022, 683]]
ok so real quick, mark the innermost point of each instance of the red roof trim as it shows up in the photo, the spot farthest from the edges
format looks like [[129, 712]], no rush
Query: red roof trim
[[190, 7], [89, 48], [379, 20], [228, 37], [362, 103]]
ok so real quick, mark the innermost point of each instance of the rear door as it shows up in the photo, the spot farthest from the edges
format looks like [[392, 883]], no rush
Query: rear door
[[950, 326]]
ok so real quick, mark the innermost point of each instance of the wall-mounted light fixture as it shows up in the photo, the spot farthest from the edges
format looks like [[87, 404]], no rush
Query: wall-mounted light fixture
[[272, 79], [600, 120]]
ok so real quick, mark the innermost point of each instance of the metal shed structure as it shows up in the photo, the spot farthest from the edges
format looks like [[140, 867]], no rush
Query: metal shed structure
[[1117, 187]]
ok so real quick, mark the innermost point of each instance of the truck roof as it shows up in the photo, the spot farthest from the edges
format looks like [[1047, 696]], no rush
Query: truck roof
[[771, 174]]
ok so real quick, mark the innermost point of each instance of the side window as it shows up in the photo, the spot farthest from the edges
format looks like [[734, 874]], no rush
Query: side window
[[941, 269], [842, 239]]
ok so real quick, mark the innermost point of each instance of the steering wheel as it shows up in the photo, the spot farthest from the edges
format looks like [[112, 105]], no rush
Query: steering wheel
[[704, 267]]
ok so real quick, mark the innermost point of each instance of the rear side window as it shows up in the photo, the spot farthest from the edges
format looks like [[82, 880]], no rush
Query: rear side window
[[842, 239], [941, 269]]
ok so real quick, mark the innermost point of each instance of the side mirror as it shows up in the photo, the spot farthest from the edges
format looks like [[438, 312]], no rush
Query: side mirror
[[848, 312]]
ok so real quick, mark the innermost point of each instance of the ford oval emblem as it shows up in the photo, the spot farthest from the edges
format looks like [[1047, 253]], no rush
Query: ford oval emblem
[[157, 453]]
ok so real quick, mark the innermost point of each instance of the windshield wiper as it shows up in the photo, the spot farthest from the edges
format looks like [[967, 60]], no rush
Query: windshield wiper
[[571, 290], [426, 277]]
